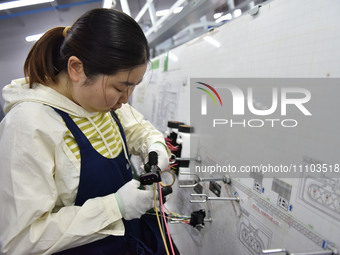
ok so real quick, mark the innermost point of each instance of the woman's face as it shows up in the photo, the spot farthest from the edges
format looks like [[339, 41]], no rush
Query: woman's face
[[106, 93]]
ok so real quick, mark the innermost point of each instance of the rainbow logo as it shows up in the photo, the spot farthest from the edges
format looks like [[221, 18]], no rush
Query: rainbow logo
[[204, 98]]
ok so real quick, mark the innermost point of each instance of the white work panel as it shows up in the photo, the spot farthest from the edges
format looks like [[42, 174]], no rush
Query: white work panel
[[286, 39]]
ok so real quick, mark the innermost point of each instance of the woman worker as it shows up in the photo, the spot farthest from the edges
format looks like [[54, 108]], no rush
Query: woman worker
[[66, 183]]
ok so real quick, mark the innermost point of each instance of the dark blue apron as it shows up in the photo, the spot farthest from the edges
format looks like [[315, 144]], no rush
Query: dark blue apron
[[101, 176]]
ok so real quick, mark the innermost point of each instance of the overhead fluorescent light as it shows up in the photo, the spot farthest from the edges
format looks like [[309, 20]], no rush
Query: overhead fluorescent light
[[237, 13], [33, 38], [178, 9], [212, 41], [218, 15], [162, 12], [21, 3], [108, 4], [224, 18], [166, 11]]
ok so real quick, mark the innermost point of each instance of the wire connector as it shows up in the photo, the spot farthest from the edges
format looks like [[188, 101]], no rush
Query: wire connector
[[197, 219]]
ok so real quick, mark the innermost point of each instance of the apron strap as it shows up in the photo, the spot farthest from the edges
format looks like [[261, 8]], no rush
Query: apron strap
[[121, 129], [81, 139]]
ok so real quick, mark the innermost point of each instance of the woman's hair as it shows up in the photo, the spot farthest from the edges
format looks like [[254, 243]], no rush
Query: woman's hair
[[105, 40]]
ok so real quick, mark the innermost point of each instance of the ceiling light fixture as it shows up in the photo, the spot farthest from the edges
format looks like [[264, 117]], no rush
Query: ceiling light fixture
[[166, 11], [218, 15], [237, 13], [33, 38], [108, 4], [224, 18], [178, 9], [21, 3], [162, 12]]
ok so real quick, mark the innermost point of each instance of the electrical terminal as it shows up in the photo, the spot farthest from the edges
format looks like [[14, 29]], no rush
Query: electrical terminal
[[197, 219]]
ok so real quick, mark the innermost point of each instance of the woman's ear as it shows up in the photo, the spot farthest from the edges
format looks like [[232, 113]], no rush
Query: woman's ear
[[75, 69]]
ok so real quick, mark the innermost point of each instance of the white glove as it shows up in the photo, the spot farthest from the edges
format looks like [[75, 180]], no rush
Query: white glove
[[163, 157], [133, 202]]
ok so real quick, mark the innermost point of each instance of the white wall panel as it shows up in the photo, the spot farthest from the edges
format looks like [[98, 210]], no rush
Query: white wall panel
[[286, 39]]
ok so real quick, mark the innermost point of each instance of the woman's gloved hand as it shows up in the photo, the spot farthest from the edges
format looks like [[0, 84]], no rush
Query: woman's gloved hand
[[163, 157], [133, 202]]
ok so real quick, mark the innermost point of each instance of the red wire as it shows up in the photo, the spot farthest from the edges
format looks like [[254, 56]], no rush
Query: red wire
[[171, 147]]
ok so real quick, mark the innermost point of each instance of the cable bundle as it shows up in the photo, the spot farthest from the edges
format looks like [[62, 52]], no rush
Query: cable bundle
[[162, 221]]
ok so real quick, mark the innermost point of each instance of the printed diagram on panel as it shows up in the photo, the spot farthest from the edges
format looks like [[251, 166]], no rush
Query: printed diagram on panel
[[321, 193], [167, 103], [253, 234]]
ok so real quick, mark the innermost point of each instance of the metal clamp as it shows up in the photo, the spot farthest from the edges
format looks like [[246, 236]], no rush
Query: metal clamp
[[206, 198], [174, 158], [272, 251], [176, 221], [224, 178], [197, 159], [333, 251], [196, 181]]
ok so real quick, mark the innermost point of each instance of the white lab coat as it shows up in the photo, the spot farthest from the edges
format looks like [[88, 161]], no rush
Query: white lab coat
[[39, 175]]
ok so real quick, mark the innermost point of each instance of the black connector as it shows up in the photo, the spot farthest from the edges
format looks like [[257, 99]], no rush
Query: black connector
[[215, 188], [153, 161], [197, 219], [153, 176], [153, 172], [166, 191]]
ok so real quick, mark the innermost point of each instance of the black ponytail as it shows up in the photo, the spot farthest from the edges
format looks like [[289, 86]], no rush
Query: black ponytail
[[40, 62], [105, 40]]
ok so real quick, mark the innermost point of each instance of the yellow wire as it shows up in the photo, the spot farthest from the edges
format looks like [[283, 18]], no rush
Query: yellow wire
[[159, 223]]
